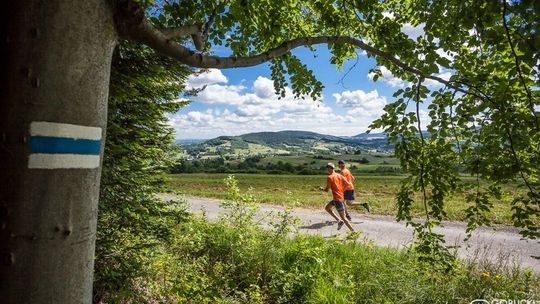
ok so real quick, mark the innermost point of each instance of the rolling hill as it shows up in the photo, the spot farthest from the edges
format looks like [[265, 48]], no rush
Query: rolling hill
[[287, 143]]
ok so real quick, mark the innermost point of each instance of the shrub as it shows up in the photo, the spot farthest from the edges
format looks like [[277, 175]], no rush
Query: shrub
[[235, 260]]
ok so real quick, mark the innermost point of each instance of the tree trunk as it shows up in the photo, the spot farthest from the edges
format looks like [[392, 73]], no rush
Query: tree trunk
[[52, 130]]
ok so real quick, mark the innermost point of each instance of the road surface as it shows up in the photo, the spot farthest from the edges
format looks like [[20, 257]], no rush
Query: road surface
[[501, 245]]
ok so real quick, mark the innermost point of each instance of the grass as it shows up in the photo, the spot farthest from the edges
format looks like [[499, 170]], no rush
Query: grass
[[314, 270], [302, 191], [375, 160], [237, 262]]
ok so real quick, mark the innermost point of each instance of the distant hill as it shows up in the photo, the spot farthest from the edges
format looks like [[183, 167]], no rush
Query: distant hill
[[287, 143], [288, 137], [184, 142], [368, 136]]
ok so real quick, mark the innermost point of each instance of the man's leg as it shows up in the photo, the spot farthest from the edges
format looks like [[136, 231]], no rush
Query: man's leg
[[329, 209], [349, 200], [340, 207], [345, 220], [367, 206], [347, 215]]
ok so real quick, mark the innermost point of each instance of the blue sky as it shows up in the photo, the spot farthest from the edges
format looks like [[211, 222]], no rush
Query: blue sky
[[239, 101]]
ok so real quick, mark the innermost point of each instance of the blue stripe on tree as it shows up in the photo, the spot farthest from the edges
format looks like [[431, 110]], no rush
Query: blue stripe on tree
[[60, 145]]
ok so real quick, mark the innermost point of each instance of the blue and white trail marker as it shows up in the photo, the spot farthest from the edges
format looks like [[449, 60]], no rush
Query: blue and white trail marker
[[64, 146]]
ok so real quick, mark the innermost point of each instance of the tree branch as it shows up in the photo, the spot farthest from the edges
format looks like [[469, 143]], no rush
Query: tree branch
[[518, 66], [422, 141], [198, 41], [144, 32], [183, 31]]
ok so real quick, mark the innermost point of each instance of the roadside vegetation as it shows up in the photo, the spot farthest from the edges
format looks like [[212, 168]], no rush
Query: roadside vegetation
[[233, 260]]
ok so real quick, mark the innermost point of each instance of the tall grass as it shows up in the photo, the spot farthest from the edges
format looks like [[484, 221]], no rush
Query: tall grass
[[220, 263], [234, 260]]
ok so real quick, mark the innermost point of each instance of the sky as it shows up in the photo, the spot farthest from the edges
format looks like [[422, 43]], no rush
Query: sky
[[242, 100]]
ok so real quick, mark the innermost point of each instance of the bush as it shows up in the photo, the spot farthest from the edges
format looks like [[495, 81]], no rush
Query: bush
[[388, 170], [234, 260], [132, 222]]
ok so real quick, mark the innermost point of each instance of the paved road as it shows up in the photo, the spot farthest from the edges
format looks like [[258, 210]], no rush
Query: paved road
[[501, 244]]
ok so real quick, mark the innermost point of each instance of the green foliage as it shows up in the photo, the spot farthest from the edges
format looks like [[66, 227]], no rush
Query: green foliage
[[233, 260], [242, 207], [246, 29], [492, 130], [138, 151]]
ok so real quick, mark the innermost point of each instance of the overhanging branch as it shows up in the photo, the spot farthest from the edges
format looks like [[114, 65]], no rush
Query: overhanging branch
[[144, 32], [183, 31]]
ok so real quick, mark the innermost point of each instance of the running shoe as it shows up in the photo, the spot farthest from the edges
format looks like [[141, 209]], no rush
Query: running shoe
[[367, 206]]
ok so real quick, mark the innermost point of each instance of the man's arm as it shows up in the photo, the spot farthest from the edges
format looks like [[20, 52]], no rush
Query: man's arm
[[349, 175], [327, 186], [345, 182]]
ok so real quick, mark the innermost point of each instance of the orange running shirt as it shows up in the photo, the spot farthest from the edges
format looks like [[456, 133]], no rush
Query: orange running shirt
[[349, 177], [337, 183]]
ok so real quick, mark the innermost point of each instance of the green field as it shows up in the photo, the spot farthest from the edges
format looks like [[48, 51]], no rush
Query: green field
[[353, 161], [302, 191]]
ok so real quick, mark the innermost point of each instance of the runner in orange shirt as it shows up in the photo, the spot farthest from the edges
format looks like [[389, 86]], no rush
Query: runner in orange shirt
[[349, 191], [336, 183]]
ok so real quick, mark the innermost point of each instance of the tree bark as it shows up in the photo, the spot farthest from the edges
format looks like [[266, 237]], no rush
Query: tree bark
[[56, 65]]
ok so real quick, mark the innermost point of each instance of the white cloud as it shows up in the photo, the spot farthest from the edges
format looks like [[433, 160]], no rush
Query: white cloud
[[211, 76], [199, 117], [395, 82], [235, 118], [254, 108], [413, 31], [360, 103], [425, 120], [263, 87], [408, 29], [389, 15], [432, 84], [448, 55], [389, 78], [221, 94]]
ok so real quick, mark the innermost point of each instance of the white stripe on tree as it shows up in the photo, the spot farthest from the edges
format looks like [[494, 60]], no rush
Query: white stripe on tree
[[63, 161], [53, 129]]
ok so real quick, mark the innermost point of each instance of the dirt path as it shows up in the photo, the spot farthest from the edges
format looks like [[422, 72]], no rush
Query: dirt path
[[501, 244]]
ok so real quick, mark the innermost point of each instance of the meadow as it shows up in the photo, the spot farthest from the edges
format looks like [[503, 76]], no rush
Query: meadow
[[303, 191]]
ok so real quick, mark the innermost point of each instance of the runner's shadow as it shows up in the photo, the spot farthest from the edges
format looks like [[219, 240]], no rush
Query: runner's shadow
[[318, 225], [324, 224]]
